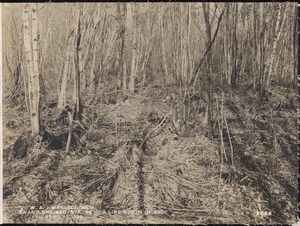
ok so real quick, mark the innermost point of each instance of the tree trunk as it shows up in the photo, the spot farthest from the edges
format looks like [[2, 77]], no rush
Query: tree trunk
[[31, 49], [124, 63], [148, 48], [166, 76], [234, 45], [119, 54], [254, 46], [131, 84], [208, 71], [270, 68], [295, 46], [66, 70], [261, 46], [77, 69]]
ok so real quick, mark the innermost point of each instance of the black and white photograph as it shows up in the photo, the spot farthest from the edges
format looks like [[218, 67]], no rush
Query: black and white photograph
[[150, 112]]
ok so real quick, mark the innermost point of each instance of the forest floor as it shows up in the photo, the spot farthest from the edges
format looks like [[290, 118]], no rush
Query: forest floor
[[128, 166]]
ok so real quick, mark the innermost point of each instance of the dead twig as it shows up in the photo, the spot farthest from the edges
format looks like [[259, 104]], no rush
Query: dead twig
[[221, 156], [229, 137], [70, 115]]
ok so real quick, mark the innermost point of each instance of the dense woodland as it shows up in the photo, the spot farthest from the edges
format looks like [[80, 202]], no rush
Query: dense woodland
[[178, 112]]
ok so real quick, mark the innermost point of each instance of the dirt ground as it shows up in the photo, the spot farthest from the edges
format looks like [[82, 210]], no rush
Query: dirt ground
[[126, 167]]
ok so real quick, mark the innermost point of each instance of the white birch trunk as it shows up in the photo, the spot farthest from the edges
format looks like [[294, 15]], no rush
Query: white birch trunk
[[31, 51]]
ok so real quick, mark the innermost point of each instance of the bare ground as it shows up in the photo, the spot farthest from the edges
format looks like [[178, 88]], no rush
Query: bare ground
[[126, 168]]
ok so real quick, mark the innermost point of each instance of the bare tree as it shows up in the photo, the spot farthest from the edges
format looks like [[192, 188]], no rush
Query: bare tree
[[131, 11], [30, 31], [65, 73], [121, 14], [77, 70], [165, 65]]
